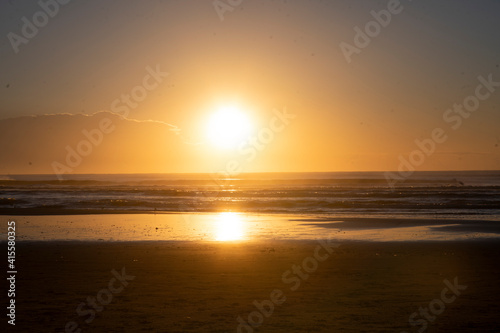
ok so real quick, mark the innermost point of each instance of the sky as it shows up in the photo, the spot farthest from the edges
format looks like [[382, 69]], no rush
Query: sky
[[366, 85]]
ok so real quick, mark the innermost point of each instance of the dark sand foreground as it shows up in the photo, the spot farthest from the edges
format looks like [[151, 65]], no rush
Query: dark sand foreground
[[204, 287]]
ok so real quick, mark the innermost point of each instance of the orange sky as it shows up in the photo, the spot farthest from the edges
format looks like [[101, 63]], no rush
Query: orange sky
[[358, 113]]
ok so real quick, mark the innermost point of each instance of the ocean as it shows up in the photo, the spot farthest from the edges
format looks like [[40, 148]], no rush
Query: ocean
[[444, 195]]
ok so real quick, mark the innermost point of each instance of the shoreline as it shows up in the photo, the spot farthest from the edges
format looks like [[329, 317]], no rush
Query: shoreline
[[244, 227]]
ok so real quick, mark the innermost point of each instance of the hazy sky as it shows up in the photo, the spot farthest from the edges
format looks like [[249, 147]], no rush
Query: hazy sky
[[361, 114]]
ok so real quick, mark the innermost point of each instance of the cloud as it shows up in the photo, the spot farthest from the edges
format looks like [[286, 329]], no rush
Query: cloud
[[103, 142]]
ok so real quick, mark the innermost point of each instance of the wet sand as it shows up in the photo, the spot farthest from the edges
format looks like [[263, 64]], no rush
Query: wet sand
[[245, 226], [205, 286]]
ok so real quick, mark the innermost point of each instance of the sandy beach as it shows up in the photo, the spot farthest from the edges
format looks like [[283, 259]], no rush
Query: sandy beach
[[232, 166], [259, 285], [232, 226]]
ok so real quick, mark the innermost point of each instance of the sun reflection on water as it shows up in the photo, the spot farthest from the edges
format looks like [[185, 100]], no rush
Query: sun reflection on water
[[229, 227]]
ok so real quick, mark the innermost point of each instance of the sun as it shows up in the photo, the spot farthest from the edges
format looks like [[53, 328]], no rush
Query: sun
[[228, 127]]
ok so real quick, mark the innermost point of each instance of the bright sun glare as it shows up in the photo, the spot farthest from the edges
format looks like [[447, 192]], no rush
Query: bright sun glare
[[229, 227], [228, 127]]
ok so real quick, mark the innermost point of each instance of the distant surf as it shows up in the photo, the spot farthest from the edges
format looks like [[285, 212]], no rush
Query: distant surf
[[454, 194]]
